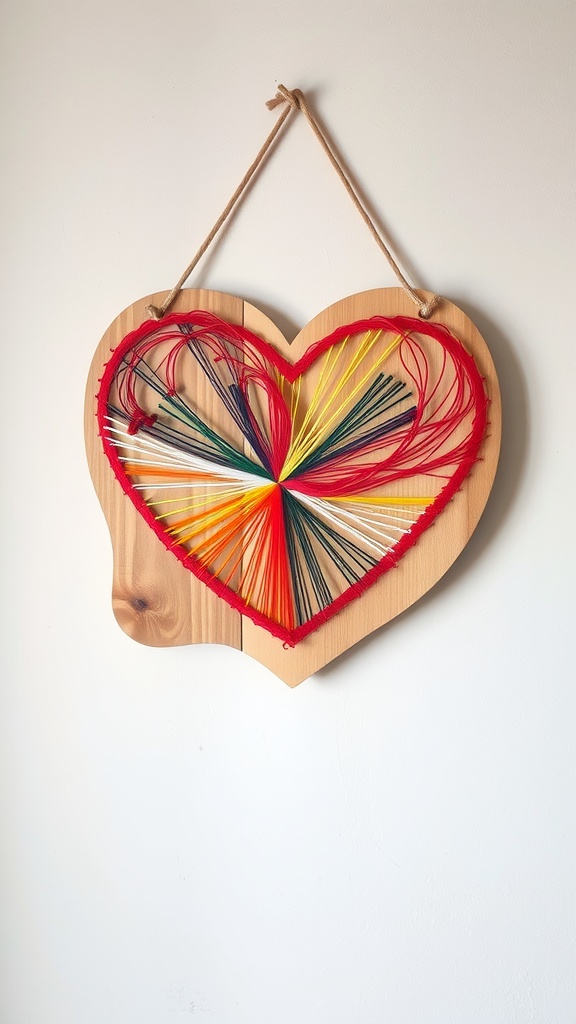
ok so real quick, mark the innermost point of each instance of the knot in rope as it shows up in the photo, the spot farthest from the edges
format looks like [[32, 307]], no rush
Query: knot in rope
[[154, 312], [294, 97], [427, 309]]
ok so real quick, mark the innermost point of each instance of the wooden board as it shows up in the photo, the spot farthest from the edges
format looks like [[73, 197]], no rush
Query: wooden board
[[159, 602]]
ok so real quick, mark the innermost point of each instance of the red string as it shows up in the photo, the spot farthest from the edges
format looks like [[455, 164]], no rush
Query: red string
[[442, 440]]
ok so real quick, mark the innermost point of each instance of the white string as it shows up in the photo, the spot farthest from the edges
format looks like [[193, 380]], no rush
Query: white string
[[322, 507], [181, 460]]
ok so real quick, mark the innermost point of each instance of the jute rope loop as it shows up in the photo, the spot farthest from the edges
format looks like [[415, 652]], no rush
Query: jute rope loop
[[294, 100]]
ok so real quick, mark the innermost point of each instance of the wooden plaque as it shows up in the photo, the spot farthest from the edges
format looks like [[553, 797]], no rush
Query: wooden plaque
[[159, 602]]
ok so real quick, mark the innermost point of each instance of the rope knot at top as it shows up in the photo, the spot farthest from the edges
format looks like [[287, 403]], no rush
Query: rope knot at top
[[295, 97]]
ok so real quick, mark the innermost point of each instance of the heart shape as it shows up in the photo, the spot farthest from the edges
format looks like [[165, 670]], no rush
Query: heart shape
[[290, 489]]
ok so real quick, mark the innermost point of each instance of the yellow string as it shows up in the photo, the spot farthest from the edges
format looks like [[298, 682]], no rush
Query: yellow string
[[206, 499], [326, 369], [304, 446], [319, 431], [371, 500], [241, 507], [294, 401]]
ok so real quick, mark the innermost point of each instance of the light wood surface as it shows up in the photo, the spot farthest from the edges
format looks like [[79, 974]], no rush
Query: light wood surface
[[159, 602]]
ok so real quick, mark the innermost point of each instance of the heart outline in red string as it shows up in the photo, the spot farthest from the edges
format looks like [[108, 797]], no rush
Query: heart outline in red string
[[291, 372]]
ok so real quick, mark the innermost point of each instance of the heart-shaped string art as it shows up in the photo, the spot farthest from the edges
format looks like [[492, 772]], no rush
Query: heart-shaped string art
[[254, 489], [290, 489], [287, 499]]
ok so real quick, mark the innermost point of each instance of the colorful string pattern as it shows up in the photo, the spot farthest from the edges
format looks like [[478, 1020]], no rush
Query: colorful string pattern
[[290, 489]]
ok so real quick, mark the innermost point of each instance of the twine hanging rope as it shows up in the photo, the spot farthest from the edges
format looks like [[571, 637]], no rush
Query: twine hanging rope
[[294, 100]]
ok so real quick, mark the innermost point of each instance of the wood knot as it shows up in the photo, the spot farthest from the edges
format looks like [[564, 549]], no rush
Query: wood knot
[[139, 604]]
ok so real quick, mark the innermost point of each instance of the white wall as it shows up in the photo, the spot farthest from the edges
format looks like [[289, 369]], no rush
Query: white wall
[[184, 836]]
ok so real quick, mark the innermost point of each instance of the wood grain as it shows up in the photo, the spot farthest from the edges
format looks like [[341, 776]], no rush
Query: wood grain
[[159, 602]]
